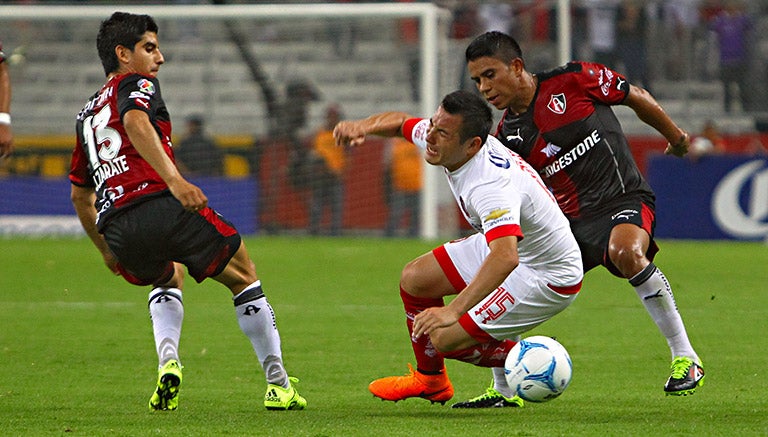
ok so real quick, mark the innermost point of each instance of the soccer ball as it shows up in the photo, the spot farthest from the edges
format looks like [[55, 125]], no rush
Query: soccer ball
[[538, 368]]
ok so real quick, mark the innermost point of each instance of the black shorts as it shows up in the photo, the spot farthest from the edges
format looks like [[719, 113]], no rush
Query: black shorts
[[593, 232], [149, 237]]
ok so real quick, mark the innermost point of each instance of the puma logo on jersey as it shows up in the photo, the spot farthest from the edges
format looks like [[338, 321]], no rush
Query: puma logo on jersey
[[619, 82], [550, 150], [517, 137]]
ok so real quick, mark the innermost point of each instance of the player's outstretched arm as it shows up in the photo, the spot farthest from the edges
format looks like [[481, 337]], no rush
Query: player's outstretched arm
[[145, 140], [385, 124], [650, 111], [83, 200]]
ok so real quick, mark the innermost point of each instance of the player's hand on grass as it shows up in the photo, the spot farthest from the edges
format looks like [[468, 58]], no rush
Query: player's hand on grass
[[680, 148], [191, 196], [432, 318]]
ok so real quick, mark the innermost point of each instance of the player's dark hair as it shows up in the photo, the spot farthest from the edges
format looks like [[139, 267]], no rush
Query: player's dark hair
[[477, 118], [121, 29], [495, 45]]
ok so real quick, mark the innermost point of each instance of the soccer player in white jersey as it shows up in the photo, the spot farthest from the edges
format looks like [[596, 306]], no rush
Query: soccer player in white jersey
[[522, 266]]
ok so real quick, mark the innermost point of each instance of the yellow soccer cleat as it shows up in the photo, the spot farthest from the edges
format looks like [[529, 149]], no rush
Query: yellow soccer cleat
[[166, 396], [281, 398]]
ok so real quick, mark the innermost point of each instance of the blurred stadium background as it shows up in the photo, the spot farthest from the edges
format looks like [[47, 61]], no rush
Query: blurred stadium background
[[261, 79]]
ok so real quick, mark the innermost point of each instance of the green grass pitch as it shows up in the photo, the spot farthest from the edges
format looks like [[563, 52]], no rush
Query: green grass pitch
[[77, 355]]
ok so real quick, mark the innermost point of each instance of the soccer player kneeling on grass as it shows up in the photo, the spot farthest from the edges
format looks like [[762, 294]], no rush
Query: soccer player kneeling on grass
[[521, 268]]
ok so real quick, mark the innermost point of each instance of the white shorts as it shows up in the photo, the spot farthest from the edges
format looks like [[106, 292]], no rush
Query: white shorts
[[523, 301]]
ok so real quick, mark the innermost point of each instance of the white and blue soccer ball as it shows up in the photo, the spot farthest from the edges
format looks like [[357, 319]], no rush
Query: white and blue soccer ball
[[538, 368]]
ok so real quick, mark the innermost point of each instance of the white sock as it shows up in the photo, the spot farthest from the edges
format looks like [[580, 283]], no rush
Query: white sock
[[500, 382], [656, 294], [500, 378], [167, 313], [257, 321]]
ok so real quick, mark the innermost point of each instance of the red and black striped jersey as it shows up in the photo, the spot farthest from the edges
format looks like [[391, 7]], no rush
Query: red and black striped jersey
[[104, 157], [571, 136]]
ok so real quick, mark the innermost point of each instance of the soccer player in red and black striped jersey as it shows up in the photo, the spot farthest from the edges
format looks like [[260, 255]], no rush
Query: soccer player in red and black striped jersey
[[149, 222], [562, 123]]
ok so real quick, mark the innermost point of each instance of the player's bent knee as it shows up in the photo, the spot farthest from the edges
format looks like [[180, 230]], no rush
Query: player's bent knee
[[629, 260], [423, 277]]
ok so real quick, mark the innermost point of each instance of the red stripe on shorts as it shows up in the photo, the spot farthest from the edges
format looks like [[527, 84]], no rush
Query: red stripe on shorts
[[647, 215], [449, 268], [473, 330], [570, 289], [213, 218]]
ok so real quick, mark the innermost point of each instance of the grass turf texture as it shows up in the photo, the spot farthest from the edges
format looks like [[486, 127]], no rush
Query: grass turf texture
[[77, 355]]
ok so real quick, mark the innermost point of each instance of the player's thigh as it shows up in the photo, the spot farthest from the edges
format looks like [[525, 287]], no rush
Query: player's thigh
[[239, 272], [205, 242], [134, 237], [445, 270]]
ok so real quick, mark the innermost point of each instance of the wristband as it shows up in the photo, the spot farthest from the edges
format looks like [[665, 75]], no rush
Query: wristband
[[5, 118]]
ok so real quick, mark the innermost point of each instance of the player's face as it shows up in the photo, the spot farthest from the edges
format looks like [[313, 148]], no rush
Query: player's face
[[443, 144], [498, 82], [146, 57]]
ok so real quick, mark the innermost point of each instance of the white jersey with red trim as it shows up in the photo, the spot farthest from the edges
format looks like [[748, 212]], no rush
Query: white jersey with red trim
[[502, 195]]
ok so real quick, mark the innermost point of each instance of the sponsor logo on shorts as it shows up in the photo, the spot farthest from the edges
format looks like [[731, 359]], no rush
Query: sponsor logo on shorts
[[625, 215]]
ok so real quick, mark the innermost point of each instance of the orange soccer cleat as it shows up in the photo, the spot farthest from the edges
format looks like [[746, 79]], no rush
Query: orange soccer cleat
[[434, 388]]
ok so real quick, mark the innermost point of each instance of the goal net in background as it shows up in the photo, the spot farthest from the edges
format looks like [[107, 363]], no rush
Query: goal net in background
[[261, 78]]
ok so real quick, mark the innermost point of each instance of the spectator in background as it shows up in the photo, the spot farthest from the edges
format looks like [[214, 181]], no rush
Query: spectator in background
[[6, 135], [496, 15], [631, 27], [197, 153], [733, 28], [465, 21], [601, 21], [293, 118], [343, 34], [682, 20], [327, 169], [709, 142], [408, 31], [402, 164]]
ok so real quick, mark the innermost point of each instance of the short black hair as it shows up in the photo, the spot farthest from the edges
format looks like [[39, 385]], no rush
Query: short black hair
[[495, 45], [121, 29], [477, 118]]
